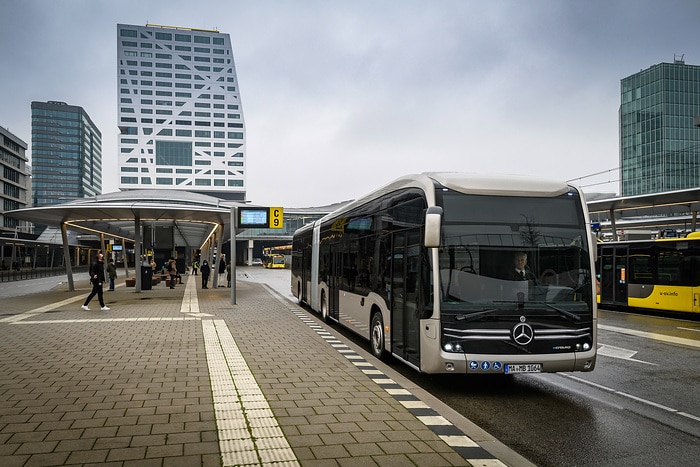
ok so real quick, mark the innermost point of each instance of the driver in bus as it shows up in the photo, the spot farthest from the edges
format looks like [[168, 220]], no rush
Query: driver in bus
[[520, 270]]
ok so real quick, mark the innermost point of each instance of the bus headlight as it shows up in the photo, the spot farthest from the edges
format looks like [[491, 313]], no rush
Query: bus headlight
[[452, 347]]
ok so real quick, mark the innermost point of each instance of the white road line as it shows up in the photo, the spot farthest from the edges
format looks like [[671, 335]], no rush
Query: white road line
[[621, 353], [652, 335], [631, 397], [43, 309], [106, 320]]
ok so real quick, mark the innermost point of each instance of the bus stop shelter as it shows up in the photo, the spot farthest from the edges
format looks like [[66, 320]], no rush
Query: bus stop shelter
[[671, 209], [197, 220]]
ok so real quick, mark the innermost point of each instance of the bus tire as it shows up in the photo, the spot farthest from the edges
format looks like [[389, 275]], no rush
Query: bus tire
[[376, 336]]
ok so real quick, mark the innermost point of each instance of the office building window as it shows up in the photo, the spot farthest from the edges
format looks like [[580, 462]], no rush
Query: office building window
[[174, 153]]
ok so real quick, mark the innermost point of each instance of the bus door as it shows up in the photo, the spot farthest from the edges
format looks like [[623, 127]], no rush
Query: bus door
[[336, 273], [405, 284], [692, 275], [613, 275], [305, 270]]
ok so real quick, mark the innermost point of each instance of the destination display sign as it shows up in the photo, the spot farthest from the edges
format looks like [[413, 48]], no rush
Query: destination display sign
[[260, 217]]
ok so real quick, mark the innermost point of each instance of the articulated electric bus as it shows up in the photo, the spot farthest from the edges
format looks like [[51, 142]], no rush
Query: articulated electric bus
[[425, 269]]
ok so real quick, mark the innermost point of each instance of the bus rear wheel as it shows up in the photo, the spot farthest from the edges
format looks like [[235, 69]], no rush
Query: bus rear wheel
[[376, 337]]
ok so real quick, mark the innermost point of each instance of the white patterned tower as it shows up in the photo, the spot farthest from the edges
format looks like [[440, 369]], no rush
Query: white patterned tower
[[179, 111]]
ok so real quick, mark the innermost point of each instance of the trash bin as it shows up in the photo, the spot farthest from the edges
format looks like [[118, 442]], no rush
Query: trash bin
[[146, 278]]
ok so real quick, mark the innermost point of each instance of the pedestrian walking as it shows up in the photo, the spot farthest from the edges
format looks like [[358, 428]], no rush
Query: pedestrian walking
[[97, 278], [205, 270], [111, 273], [195, 266]]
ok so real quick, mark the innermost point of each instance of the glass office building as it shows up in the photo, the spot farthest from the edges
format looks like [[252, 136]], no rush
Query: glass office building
[[659, 146], [66, 154], [179, 111], [14, 180]]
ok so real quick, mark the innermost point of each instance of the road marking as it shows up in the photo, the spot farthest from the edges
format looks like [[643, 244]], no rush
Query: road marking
[[104, 320], [631, 397], [40, 310], [652, 335], [619, 352]]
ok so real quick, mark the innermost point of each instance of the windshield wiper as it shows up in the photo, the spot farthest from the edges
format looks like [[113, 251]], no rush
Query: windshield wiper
[[474, 316], [566, 313]]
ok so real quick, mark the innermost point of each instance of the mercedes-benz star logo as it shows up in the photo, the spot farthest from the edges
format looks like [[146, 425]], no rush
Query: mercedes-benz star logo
[[523, 333]]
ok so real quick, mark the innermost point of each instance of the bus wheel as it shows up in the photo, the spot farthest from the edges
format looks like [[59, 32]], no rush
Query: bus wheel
[[376, 337], [324, 307]]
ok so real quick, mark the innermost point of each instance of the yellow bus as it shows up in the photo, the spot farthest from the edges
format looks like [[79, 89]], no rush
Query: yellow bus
[[661, 275], [274, 257]]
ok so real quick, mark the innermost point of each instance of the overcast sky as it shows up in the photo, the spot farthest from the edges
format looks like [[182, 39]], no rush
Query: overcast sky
[[341, 97]]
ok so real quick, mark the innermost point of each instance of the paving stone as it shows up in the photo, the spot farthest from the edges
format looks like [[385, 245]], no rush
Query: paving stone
[[133, 387]]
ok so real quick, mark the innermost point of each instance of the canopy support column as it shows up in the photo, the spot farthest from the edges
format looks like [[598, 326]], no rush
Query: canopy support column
[[126, 261], [137, 253], [219, 254], [232, 259], [612, 225], [66, 256]]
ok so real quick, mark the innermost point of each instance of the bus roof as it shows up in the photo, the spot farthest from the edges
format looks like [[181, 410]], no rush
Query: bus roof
[[469, 183]]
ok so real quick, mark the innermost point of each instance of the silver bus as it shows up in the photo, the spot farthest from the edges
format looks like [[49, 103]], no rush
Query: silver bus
[[426, 269]]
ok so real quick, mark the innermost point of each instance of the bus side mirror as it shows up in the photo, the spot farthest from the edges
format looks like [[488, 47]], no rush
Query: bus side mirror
[[433, 222]]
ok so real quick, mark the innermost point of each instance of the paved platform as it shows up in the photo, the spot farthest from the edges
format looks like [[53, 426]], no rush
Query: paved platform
[[183, 377]]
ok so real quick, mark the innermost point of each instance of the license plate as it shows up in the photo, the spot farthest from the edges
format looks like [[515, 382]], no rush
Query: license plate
[[524, 368]]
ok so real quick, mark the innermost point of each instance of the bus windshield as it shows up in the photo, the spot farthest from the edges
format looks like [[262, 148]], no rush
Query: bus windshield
[[519, 254]]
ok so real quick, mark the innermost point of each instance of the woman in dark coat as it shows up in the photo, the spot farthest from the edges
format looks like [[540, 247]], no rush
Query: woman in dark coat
[[205, 270]]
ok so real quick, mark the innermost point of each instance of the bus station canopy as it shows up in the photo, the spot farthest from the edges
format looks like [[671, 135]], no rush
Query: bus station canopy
[[671, 209], [194, 217]]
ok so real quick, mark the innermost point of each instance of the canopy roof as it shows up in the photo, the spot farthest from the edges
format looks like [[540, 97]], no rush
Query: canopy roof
[[194, 216], [666, 204]]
